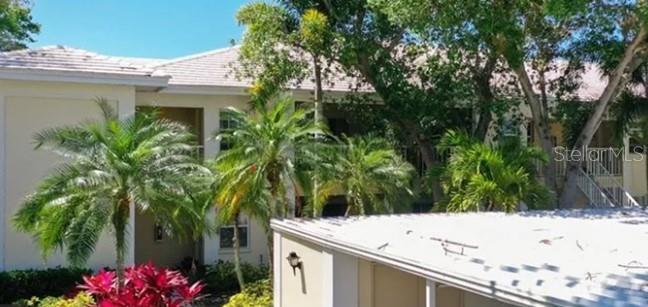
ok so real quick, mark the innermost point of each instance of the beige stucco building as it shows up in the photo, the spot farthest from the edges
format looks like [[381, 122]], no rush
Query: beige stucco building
[[57, 85]]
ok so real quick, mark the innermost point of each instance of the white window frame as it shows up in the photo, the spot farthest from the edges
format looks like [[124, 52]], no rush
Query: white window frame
[[222, 113]]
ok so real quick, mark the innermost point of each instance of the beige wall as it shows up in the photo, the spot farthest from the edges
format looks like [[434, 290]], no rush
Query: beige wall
[[392, 287], [211, 106], [167, 252], [377, 285], [635, 174], [29, 107], [303, 288]]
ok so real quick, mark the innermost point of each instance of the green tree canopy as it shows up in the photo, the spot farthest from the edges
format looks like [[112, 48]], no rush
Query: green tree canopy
[[17, 27]]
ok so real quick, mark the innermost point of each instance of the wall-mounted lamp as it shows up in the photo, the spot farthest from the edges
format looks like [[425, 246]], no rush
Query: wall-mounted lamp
[[158, 232], [294, 261]]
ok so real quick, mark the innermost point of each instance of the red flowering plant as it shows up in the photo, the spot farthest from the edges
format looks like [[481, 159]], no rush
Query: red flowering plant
[[144, 285]]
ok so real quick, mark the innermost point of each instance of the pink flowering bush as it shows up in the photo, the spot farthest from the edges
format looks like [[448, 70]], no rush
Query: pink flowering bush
[[144, 285]]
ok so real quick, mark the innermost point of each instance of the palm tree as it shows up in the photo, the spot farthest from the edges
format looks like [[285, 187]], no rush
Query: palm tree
[[367, 170], [480, 177], [253, 175], [143, 161]]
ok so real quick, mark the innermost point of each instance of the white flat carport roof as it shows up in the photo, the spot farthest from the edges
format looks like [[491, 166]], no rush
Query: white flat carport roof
[[535, 258]]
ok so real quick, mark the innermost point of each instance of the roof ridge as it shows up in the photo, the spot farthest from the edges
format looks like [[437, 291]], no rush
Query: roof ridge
[[51, 47], [196, 56]]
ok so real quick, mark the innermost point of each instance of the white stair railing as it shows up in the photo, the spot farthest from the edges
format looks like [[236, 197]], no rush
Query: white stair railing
[[609, 184], [596, 196]]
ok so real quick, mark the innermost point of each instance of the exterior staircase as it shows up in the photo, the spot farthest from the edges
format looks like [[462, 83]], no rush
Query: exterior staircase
[[595, 195], [601, 186]]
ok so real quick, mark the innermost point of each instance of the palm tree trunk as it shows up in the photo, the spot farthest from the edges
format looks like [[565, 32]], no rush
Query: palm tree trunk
[[270, 240], [276, 209], [237, 253], [318, 95], [119, 220]]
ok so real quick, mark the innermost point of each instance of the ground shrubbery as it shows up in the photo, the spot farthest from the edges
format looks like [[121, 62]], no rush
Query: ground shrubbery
[[220, 277], [257, 294], [82, 299], [25, 284], [143, 285], [48, 287]]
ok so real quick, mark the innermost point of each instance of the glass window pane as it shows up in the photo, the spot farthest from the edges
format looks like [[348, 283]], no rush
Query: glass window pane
[[227, 237]]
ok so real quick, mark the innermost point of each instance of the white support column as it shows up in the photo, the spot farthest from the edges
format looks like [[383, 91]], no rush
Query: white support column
[[339, 279], [3, 195], [430, 293], [211, 124], [126, 109], [276, 268]]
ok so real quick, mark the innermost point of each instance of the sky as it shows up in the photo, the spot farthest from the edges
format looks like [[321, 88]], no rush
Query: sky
[[138, 28]]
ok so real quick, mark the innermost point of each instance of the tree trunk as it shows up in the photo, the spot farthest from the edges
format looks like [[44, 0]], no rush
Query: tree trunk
[[486, 98], [481, 130], [318, 95], [627, 64], [540, 125], [270, 242], [237, 253], [427, 155], [274, 194], [119, 221]]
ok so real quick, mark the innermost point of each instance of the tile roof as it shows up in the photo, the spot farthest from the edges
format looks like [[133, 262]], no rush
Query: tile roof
[[216, 68], [66, 59], [209, 69], [565, 258]]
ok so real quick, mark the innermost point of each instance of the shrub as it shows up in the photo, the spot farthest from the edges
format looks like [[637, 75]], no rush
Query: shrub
[[258, 294], [24, 284], [220, 278], [144, 285], [82, 299]]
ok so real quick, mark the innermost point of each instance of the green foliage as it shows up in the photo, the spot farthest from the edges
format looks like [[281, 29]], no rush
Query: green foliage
[[220, 278], [82, 299], [314, 32], [573, 115], [145, 160], [252, 174], [372, 176], [258, 294], [630, 115], [422, 92], [24, 284], [16, 25], [265, 55], [479, 177]]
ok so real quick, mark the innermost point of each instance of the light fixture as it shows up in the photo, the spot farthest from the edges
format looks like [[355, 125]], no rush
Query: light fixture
[[294, 261]]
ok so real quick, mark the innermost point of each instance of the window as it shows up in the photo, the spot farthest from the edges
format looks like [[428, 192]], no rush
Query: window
[[530, 139], [227, 234], [227, 122]]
